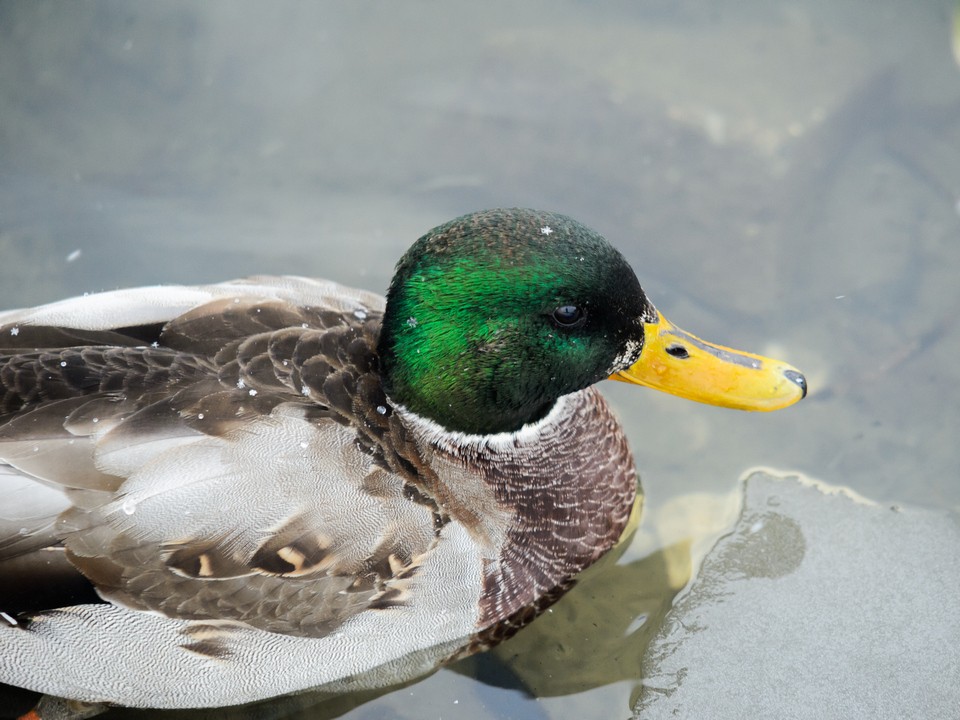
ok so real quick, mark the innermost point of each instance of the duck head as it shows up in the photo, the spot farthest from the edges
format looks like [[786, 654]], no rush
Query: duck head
[[493, 316]]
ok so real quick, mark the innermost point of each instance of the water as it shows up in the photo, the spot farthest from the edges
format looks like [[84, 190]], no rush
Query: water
[[783, 177]]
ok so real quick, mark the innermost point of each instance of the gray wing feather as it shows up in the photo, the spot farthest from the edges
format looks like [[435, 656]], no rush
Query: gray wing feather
[[206, 475]]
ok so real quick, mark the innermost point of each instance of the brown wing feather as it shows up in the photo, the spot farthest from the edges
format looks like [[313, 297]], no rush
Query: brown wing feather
[[216, 376]]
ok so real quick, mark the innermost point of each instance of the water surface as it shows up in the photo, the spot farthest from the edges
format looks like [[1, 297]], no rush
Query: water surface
[[783, 177]]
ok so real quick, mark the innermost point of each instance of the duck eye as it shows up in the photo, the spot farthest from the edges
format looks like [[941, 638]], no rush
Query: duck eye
[[568, 315]]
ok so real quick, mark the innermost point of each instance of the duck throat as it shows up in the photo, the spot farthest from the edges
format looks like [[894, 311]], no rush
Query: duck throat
[[546, 502]]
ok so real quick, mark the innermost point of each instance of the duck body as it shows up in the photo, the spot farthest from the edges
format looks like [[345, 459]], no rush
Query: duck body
[[262, 510]]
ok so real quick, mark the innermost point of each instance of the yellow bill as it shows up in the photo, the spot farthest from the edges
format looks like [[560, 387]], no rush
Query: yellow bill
[[684, 365]]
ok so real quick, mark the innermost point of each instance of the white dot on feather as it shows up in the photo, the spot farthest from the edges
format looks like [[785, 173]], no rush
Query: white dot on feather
[[14, 330], [252, 392], [241, 384]]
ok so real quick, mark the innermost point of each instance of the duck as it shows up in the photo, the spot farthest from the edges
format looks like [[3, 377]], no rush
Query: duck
[[265, 486]]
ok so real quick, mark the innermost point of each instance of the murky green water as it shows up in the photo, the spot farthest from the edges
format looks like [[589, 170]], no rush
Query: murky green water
[[783, 177]]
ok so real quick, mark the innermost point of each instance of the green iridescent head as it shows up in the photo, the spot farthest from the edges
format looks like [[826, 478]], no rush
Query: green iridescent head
[[493, 316]]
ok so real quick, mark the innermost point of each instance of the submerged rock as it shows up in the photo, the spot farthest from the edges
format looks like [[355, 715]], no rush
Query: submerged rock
[[819, 604]]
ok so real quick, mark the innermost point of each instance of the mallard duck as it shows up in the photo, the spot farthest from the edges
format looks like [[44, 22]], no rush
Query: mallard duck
[[279, 484]]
